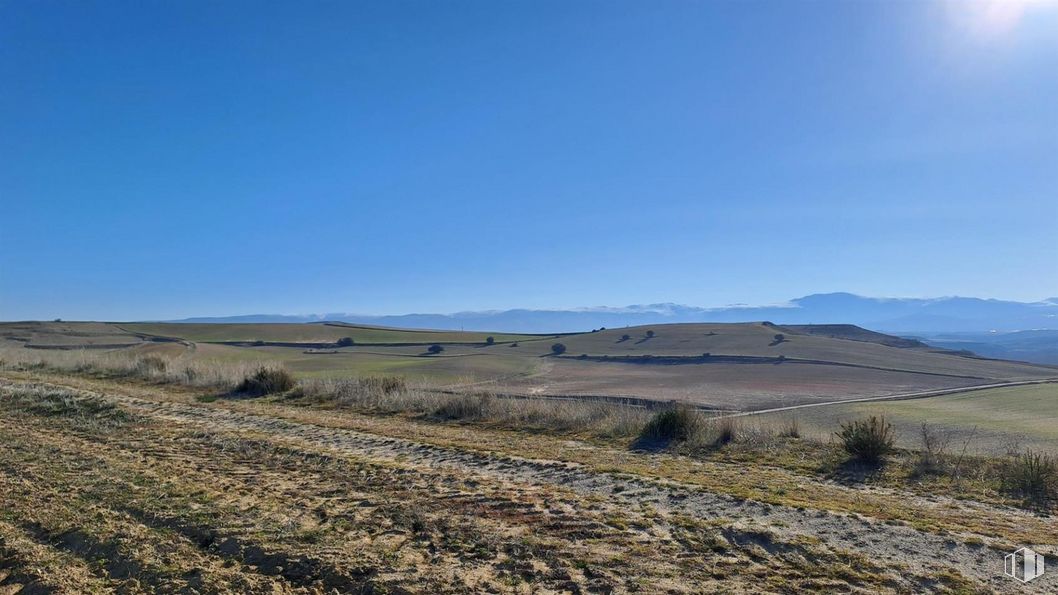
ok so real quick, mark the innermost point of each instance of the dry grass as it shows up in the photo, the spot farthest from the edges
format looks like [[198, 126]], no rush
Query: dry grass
[[780, 443], [181, 370]]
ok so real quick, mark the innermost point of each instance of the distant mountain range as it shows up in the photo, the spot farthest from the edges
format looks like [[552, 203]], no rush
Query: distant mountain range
[[892, 315]]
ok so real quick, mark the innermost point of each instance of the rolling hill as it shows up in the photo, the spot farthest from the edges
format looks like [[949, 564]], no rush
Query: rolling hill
[[727, 366]]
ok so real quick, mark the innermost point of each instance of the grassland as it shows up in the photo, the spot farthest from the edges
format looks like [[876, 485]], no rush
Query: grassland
[[143, 470], [747, 367], [167, 492], [994, 420]]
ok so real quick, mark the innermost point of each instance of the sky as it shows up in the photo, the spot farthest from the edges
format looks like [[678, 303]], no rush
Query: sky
[[168, 159]]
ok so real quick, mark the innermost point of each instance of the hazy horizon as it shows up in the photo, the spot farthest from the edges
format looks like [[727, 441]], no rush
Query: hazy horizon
[[195, 159]]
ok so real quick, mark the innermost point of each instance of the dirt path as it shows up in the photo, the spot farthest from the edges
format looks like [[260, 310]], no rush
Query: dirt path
[[891, 546]]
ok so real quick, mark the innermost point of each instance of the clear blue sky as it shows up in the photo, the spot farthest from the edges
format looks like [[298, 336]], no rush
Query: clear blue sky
[[169, 159]]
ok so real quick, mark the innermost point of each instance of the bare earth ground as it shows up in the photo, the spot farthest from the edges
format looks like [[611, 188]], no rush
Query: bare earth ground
[[256, 497]]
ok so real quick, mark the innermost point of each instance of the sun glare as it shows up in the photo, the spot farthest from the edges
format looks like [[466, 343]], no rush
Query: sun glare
[[990, 19]]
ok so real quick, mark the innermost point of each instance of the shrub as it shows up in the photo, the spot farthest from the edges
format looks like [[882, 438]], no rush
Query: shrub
[[867, 440], [465, 407], [345, 342], [650, 334], [779, 338], [1033, 477], [435, 349], [514, 344], [625, 337], [558, 349], [490, 340], [674, 424], [266, 381]]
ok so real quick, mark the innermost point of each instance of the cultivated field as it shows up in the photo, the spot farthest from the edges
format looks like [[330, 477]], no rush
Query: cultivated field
[[191, 461], [746, 367], [994, 420]]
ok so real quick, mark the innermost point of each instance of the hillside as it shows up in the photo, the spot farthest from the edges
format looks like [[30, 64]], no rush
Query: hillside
[[746, 368]]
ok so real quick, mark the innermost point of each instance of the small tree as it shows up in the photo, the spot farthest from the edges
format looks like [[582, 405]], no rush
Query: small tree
[[490, 340], [779, 338], [650, 334], [435, 349], [345, 342], [558, 349]]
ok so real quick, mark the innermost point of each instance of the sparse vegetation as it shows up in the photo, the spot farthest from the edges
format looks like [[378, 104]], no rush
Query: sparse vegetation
[[727, 430], [867, 440], [1033, 477], [791, 428], [933, 457], [82, 411]]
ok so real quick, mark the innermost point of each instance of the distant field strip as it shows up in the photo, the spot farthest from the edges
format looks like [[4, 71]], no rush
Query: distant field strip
[[901, 397], [669, 360]]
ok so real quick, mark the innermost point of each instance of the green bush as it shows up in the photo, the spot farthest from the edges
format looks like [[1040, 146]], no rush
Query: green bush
[[558, 349], [266, 381], [490, 340], [1033, 477], [435, 349], [867, 440], [675, 424], [345, 342]]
